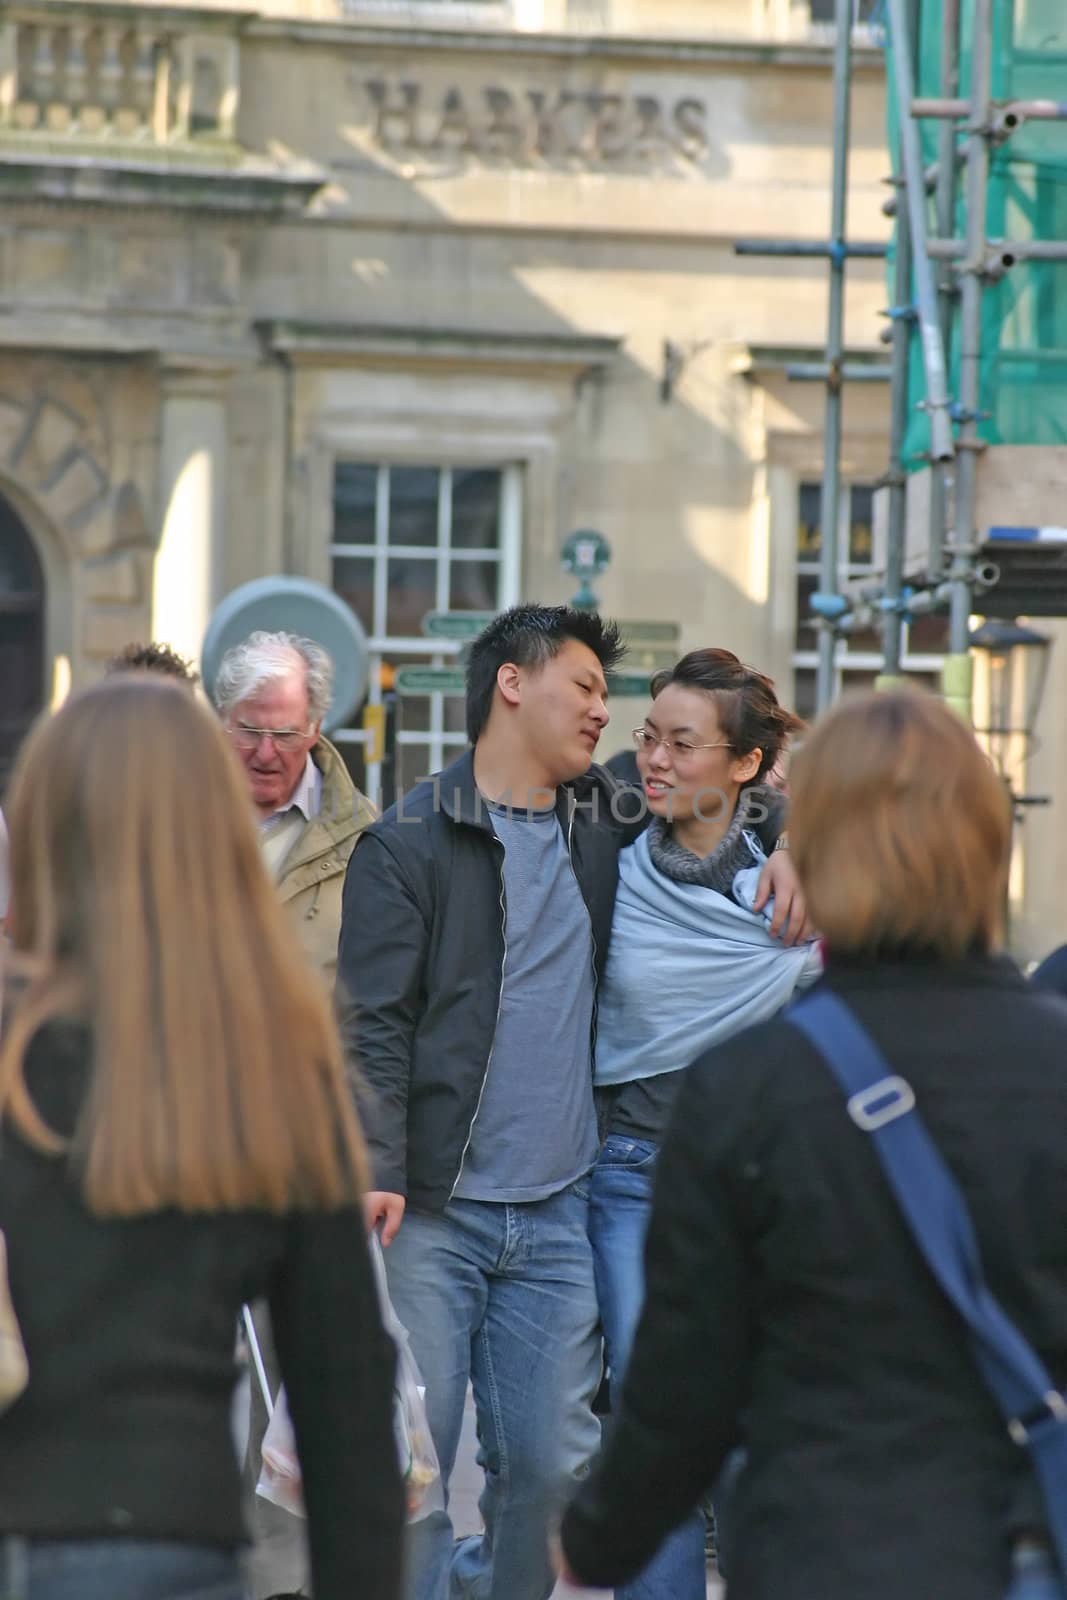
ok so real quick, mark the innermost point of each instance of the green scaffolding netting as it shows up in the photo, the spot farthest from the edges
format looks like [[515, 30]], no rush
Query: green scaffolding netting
[[1024, 315]]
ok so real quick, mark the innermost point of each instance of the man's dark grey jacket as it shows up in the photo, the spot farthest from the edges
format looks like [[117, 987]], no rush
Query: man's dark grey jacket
[[421, 957]]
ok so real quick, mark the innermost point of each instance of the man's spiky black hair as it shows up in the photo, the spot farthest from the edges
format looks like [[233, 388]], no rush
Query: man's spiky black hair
[[530, 635]]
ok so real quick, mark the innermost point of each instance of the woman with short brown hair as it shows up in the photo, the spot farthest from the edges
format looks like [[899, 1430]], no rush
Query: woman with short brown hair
[[785, 1288], [176, 1139]]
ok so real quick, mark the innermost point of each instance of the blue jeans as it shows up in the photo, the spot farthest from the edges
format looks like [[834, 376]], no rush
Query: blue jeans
[[620, 1204], [1034, 1577], [501, 1295], [116, 1569]]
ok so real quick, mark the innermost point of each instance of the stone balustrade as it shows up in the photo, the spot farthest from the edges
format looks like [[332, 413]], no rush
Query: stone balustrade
[[88, 72]]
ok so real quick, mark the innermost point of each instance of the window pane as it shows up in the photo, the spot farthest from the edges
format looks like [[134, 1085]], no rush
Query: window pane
[[861, 525], [929, 634], [865, 638], [808, 541], [475, 508], [353, 757], [412, 592], [412, 765], [472, 586], [353, 580], [413, 713], [413, 505], [853, 682], [354, 490], [804, 693]]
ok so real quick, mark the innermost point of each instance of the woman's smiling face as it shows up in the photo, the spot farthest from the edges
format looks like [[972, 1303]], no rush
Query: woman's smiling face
[[687, 765]]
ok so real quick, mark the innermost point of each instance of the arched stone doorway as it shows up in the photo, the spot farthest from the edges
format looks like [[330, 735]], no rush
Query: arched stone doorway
[[21, 635]]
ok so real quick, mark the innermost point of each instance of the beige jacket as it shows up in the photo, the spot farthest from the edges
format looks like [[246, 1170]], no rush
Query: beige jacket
[[312, 875]]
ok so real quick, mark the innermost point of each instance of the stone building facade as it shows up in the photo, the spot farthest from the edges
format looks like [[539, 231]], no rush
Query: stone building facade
[[397, 296]]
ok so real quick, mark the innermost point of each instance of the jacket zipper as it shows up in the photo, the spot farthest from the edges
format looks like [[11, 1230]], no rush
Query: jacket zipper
[[496, 1024], [592, 937]]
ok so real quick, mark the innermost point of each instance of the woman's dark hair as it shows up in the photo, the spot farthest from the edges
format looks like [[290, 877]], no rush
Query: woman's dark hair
[[527, 636], [749, 713]]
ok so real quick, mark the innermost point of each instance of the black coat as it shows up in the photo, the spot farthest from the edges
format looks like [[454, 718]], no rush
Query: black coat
[[124, 1429], [421, 959], [784, 1286]]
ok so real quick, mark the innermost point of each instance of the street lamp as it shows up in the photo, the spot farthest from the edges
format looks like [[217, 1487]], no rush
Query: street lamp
[[1018, 662]]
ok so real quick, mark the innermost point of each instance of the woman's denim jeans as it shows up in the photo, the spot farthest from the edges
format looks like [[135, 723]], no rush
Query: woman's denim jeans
[[116, 1569], [1034, 1577], [620, 1203]]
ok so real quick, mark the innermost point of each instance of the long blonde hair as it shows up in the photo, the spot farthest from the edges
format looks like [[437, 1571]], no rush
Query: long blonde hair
[[141, 907]]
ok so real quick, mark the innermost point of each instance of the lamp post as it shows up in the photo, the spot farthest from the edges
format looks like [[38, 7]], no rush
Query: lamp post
[[1018, 662]]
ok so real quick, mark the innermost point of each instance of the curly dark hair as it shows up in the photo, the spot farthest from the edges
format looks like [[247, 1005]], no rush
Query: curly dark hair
[[750, 715], [154, 658], [530, 635]]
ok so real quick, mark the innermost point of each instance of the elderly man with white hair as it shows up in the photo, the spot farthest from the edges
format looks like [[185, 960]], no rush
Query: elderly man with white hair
[[272, 692]]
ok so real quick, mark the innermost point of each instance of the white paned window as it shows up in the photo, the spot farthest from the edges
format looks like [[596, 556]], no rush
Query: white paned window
[[409, 539], [859, 655]]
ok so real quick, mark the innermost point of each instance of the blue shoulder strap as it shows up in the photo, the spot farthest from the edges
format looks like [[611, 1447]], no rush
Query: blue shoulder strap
[[882, 1104]]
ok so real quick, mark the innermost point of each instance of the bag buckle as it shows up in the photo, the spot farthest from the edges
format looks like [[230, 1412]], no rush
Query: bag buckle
[[1053, 1409], [883, 1102]]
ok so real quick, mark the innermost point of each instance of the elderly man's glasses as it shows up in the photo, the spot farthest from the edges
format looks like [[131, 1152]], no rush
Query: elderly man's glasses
[[679, 749], [287, 740]]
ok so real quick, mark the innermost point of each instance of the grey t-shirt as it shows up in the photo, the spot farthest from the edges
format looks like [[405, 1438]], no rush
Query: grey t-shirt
[[535, 1129]]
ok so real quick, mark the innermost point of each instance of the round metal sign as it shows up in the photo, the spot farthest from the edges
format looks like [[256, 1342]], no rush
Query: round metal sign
[[294, 605]]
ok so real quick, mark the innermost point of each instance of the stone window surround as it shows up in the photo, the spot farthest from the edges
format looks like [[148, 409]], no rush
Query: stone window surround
[[438, 396]]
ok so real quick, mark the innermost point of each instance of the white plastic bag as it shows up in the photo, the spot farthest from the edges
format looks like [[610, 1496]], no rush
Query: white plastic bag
[[280, 1479], [415, 1447]]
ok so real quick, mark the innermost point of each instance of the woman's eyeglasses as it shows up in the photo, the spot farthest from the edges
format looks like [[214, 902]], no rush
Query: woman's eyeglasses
[[679, 749]]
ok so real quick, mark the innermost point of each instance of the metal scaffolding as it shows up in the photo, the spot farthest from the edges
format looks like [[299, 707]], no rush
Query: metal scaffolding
[[930, 270]]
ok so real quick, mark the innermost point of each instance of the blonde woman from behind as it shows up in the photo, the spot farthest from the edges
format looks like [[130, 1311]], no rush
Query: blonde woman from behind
[[176, 1139]]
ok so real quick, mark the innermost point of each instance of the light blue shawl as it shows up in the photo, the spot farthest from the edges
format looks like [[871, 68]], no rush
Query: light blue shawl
[[687, 968]]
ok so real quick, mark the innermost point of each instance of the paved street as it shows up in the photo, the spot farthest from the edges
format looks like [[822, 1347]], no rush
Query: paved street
[[466, 1483]]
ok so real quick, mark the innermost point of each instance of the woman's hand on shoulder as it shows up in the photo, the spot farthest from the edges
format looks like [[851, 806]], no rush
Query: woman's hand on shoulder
[[779, 880]]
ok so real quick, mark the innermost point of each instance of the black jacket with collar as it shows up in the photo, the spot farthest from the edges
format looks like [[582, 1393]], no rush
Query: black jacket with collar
[[783, 1285], [421, 959]]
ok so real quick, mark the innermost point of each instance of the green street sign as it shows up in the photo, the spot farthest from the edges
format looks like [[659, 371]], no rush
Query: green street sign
[[456, 624], [651, 632], [430, 680], [631, 684]]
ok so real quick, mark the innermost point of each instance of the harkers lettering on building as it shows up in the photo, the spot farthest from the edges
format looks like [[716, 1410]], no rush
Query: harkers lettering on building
[[533, 127]]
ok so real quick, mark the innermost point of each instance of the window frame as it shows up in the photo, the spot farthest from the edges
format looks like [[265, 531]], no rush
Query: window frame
[[506, 555], [846, 659]]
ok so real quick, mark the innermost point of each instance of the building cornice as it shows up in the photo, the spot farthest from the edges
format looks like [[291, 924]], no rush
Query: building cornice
[[310, 341], [243, 186], [604, 50]]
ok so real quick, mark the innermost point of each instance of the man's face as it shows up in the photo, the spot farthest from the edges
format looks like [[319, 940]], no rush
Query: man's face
[[273, 772], [563, 712]]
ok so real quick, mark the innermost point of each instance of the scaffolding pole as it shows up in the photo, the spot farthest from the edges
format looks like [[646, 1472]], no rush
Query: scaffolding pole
[[830, 501], [901, 312], [942, 484], [959, 668]]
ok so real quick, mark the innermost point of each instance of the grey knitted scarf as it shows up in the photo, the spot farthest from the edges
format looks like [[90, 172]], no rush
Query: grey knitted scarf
[[716, 871]]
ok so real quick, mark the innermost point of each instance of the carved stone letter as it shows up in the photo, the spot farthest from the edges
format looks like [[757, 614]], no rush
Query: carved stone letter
[[610, 134], [691, 129], [504, 135], [395, 118], [454, 132], [651, 127]]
